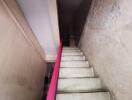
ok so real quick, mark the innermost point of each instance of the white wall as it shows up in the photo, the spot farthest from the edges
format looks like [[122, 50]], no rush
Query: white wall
[[37, 14], [54, 19]]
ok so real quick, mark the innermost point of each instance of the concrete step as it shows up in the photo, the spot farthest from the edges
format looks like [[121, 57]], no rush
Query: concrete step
[[70, 48], [71, 51], [76, 72], [79, 85], [72, 54], [84, 96], [72, 58], [74, 64]]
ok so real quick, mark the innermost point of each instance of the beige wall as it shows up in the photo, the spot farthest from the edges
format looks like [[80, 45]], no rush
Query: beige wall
[[53, 13], [107, 44], [22, 65], [23, 25]]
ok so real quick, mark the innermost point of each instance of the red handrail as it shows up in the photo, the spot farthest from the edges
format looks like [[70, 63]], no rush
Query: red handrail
[[53, 85]]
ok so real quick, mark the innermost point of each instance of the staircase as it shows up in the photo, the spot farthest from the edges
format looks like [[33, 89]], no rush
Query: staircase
[[77, 80]]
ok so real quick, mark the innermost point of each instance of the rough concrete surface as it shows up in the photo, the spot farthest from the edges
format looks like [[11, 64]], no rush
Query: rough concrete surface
[[107, 44]]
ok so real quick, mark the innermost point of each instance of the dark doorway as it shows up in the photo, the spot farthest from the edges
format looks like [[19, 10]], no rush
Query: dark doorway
[[72, 18]]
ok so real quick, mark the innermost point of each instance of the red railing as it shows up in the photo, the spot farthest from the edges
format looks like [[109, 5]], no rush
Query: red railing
[[53, 84]]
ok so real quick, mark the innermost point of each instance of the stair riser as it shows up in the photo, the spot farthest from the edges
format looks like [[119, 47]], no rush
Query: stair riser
[[76, 72], [72, 48], [75, 64], [80, 85], [84, 96], [72, 54], [73, 58]]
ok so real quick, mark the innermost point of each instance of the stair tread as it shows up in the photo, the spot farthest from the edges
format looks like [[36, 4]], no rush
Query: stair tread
[[76, 72], [72, 58], [84, 96], [72, 53], [74, 64], [70, 48], [79, 85], [73, 50]]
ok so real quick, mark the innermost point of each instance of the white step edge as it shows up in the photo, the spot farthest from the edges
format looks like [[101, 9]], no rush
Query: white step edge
[[76, 72], [84, 96], [72, 51], [79, 85], [74, 64], [72, 58], [72, 54], [70, 48]]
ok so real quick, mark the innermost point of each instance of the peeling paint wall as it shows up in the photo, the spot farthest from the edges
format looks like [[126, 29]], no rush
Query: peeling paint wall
[[107, 44]]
